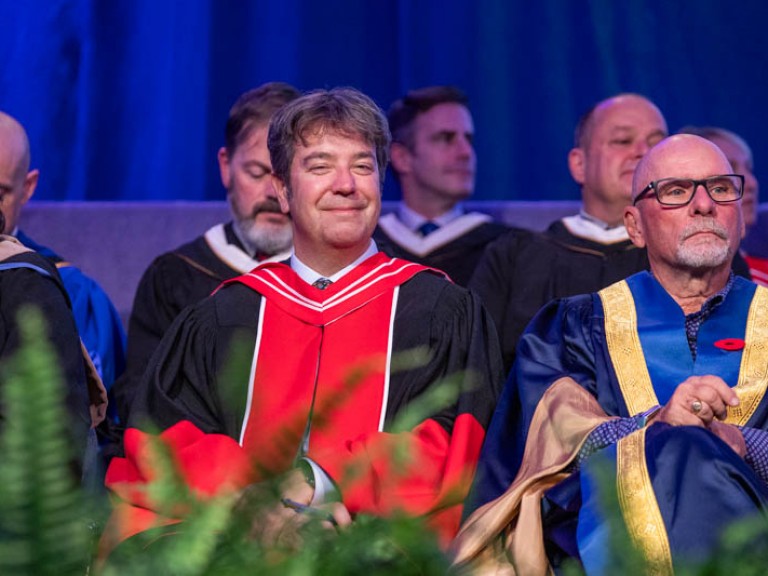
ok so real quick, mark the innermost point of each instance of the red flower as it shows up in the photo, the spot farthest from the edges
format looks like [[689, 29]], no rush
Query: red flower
[[730, 344]]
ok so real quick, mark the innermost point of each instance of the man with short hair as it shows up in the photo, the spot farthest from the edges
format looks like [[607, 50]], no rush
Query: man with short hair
[[663, 374], [433, 158], [259, 232], [584, 252], [97, 320], [320, 396]]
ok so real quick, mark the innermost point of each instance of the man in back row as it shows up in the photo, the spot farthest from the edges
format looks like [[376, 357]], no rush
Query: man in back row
[[433, 158], [97, 320], [320, 397], [29, 280], [585, 252], [259, 232]]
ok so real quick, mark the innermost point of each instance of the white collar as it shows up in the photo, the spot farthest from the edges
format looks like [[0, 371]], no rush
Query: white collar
[[413, 219], [232, 255], [597, 221], [587, 228], [310, 276]]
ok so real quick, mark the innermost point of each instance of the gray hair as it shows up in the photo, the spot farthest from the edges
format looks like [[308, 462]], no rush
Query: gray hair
[[344, 110]]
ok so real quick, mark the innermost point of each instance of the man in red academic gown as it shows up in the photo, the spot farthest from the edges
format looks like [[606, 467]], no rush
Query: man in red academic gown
[[320, 394]]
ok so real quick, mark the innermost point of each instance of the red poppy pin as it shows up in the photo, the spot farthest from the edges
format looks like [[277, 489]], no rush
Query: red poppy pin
[[730, 344]]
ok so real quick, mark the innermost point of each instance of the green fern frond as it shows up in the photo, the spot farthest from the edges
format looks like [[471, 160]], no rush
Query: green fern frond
[[184, 549], [43, 528]]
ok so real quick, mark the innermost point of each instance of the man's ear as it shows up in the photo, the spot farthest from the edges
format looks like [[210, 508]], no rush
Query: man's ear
[[633, 222], [577, 164], [30, 184], [283, 194], [400, 158], [224, 167]]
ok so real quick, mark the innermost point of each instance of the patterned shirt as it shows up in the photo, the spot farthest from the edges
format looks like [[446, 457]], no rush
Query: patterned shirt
[[694, 320], [612, 431]]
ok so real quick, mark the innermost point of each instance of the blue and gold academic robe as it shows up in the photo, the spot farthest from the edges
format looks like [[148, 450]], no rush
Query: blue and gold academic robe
[[617, 353]]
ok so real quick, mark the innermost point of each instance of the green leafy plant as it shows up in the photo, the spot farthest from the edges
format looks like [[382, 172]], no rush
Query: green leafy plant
[[44, 517], [47, 519]]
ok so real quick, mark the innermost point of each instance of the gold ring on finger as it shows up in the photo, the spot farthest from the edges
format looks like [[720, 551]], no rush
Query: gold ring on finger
[[696, 406]]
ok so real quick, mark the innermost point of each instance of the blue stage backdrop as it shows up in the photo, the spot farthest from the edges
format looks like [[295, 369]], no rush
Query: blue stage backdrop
[[126, 99]]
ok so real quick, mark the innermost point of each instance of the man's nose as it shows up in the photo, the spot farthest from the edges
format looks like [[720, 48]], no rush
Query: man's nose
[[641, 148], [701, 202], [344, 181], [464, 146], [270, 190]]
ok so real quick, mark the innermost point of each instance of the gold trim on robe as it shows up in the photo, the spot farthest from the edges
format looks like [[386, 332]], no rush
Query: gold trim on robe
[[753, 372], [639, 506], [625, 349], [505, 535], [628, 360]]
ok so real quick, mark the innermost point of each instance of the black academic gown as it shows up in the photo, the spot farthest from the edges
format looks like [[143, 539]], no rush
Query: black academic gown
[[35, 282], [457, 258], [518, 275], [172, 282]]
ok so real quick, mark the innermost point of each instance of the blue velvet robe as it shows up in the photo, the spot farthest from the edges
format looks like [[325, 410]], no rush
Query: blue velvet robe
[[97, 320], [699, 482]]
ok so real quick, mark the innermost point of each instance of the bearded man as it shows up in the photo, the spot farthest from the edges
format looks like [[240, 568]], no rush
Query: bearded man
[[259, 232]]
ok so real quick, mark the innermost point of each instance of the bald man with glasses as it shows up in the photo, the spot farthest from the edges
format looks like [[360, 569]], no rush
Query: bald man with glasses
[[661, 376]]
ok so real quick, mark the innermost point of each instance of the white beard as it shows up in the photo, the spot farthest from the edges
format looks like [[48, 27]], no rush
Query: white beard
[[709, 255], [268, 240]]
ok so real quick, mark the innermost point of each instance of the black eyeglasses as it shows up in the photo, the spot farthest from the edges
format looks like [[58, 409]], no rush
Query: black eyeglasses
[[680, 191]]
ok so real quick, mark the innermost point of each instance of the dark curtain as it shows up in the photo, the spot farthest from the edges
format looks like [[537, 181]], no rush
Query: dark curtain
[[126, 99]]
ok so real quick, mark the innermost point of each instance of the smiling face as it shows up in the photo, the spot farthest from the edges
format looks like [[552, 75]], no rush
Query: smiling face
[[440, 161], [247, 175], [619, 133], [701, 235], [333, 195]]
